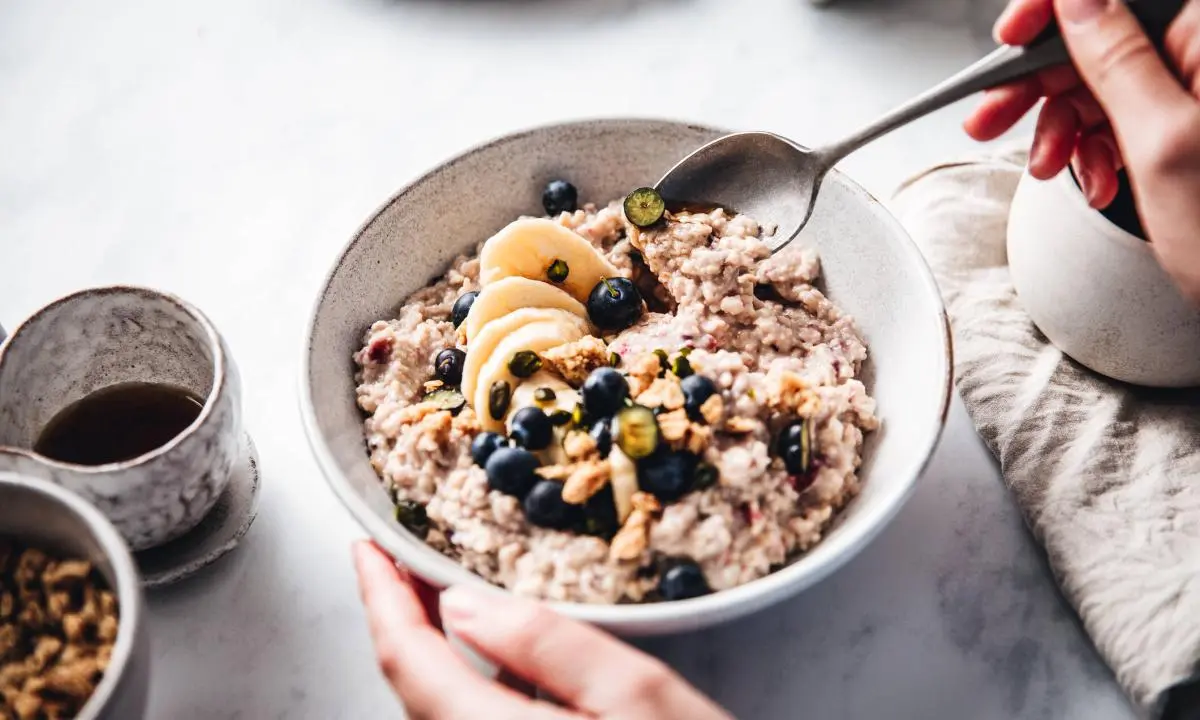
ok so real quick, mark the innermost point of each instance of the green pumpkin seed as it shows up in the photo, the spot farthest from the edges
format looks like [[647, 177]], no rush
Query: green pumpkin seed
[[558, 271], [559, 418], [681, 367], [524, 363], [614, 360], [412, 516], [499, 396], [544, 395]]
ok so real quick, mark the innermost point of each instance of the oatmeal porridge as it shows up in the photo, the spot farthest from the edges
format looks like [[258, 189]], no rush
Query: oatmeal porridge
[[618, 404]]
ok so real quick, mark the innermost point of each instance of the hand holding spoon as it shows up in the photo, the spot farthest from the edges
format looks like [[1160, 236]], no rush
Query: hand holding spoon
[[776, 180]]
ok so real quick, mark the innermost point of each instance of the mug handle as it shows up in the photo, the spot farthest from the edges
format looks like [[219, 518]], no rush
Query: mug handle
[[2, 335]]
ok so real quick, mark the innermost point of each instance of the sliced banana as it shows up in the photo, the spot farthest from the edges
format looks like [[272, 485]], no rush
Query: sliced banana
[[513, 293], [624, 482], [527, 247], [535, 336], [484, 344]]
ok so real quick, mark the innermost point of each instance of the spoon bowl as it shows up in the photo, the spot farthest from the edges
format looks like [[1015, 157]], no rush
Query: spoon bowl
[[760, 174]]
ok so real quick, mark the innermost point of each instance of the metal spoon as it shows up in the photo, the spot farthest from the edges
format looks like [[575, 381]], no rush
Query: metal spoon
[[776, 180]]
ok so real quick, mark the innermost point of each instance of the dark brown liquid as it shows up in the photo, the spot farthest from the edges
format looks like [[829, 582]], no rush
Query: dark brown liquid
[[118, 423]]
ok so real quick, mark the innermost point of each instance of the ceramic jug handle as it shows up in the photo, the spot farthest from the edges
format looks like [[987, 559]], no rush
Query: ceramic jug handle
[[2, 334]]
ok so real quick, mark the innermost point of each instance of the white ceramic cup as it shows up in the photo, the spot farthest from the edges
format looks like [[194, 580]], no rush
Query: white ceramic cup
[[101, 337], [1096, 291]]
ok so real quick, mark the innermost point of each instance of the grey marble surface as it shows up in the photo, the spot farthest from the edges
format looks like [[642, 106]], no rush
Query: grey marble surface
[[225, 149]]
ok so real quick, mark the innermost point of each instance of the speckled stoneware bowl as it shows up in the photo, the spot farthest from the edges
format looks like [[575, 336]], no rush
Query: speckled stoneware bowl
[[872, 270], [102, 337], [43, 515], [1096, 291]]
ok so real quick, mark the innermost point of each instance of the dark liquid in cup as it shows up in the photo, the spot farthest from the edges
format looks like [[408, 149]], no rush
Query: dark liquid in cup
[[118, 423]]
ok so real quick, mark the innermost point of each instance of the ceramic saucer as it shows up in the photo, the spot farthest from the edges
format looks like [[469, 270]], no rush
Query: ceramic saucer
[[218, 533]]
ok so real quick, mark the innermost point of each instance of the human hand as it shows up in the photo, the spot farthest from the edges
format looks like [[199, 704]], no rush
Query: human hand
[[593, 674], [1119, 106]]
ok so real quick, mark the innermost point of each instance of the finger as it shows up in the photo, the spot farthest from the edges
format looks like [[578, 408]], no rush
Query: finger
[[428, 597], [1000, 109], [1095, 166], [420, 665], [1055, 137], [1119, 64], [1023, 20], [572, 661], [1183, 45], [1004, 106]]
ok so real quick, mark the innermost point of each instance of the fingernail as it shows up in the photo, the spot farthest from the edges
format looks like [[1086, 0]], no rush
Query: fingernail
[[1078, 12], [459, 605]]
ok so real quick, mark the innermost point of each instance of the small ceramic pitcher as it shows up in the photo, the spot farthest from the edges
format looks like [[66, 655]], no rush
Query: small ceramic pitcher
[[98, 338]]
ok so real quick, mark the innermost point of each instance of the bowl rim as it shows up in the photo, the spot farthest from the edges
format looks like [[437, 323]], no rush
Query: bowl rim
[[1104, 227], [130, 602], [802, 573]]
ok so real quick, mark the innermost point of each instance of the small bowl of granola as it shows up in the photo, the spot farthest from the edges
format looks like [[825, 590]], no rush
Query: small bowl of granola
[[532, 371], [72, 640]]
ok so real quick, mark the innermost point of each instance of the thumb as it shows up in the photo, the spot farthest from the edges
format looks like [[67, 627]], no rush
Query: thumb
[[1118, 62]]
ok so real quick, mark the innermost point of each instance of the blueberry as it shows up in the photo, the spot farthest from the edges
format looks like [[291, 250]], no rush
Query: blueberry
[[462, 306], [510, 470], [604, 392], [559, 196], [696, 390], [667, 475], [531, 428], [602, 434], [683, 581], [794, 445], [484, 444], [614, 304], [545, 507], [600, 514], [448, 365]]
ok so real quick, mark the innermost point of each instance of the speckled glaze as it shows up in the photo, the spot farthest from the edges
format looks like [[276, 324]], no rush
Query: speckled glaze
[[101, 337], [872, 271], [1096, 291]]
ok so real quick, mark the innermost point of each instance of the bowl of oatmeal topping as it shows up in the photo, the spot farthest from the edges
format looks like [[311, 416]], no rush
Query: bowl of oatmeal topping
[[530, 371]]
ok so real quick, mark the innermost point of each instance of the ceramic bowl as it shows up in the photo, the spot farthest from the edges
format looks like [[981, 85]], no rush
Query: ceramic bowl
[[872, 270], [43, 515], [1096, 291]]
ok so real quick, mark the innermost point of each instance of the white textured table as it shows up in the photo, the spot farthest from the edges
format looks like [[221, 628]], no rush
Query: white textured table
[[225, 149]]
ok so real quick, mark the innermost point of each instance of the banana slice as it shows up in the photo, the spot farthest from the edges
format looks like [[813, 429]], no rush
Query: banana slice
[[535, 336], [624, 482], [527, 247], [481, 348], [513, 293]]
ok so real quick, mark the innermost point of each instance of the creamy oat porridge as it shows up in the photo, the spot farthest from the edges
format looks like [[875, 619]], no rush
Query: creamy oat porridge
[[593, 410]]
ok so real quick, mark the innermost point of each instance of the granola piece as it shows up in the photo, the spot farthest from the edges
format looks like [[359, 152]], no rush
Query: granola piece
[[574, 361], [431, 385], [579, 445], [682, 433], [586, 480], [555, 472], [673, 426], [788, 393], [634, 536], [664, 392], [741, 425], [712, 409], [642, 372]]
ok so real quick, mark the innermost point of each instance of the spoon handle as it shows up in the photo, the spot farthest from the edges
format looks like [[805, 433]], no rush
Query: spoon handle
[[1005, 64]]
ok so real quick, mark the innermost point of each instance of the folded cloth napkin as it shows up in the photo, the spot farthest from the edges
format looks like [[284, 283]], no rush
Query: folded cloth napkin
[[1107, 475]]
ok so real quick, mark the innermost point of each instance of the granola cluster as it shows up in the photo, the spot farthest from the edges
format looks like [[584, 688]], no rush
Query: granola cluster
[[58, 624]]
